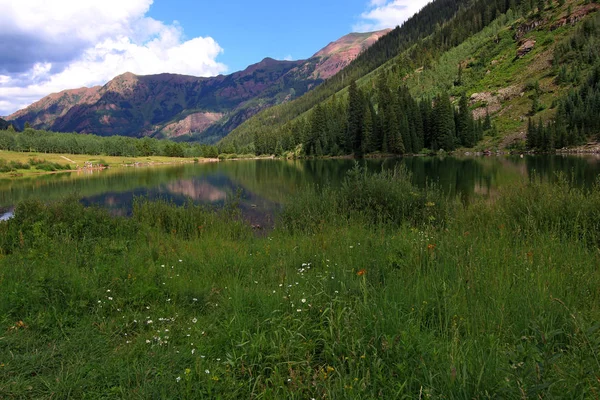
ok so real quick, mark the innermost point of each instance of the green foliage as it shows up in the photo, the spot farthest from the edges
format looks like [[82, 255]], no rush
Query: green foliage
[[374, 299], [438, 27], [40, 141], [575, 121], [387, 197]]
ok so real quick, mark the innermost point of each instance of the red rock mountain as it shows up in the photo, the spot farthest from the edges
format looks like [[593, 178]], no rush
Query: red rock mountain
[[170, 105]]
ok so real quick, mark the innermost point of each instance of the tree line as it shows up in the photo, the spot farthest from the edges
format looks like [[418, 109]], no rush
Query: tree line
[[40, 141], [387, 119], [576, 119], [575, 122]]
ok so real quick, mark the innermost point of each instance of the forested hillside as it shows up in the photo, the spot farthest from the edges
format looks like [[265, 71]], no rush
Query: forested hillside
[[455, 75]]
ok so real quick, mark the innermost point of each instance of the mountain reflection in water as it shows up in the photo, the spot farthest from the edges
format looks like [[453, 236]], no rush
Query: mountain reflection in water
[[262, 187]]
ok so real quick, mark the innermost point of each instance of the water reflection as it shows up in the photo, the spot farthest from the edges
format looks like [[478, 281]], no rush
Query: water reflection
[[263, 186]]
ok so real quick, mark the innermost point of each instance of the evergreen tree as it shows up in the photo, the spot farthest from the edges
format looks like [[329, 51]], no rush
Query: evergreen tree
[[444, 129], [395, 144], [368, 144], [355, 115], [531, 139], [464, 123]]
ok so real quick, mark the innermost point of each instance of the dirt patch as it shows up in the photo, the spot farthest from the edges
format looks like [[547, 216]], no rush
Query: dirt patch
[[492, 102]]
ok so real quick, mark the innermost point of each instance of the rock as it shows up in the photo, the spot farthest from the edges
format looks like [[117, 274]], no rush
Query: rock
[[526, 47]]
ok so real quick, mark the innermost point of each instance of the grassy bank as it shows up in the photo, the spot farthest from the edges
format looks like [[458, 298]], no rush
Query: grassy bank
[[23, 167], [374, 290]]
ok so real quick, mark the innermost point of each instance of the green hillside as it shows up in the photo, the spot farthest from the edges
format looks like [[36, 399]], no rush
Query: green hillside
[[518, 62]]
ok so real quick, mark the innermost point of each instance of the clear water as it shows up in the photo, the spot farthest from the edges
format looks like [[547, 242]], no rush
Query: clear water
[[264, 186]]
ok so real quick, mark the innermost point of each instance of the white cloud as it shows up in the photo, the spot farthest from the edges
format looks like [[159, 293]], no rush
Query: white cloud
[[382, 14], [288, 58], [48, 46]]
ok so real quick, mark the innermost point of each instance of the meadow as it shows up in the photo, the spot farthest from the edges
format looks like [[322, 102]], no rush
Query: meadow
[[374, 289]]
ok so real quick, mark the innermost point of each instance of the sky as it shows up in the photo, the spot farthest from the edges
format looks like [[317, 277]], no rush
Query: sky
[[47, 46]]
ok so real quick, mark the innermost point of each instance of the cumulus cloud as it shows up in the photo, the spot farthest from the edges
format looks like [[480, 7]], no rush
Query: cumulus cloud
[[382, 14], [49, 46]]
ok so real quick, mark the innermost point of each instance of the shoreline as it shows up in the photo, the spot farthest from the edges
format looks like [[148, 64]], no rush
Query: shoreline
[[136, 164]]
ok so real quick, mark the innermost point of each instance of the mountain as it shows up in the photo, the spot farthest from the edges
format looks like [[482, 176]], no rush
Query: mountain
[[337, 55], [533, 68], [179, 106]]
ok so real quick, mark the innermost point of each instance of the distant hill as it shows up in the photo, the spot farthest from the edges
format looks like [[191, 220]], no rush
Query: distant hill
[[187, 107]]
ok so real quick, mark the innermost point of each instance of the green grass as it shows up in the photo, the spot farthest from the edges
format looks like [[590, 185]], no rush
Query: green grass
[[358, 293], [57, 162]]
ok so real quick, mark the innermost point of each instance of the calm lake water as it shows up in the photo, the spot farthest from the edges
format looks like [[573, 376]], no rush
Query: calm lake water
[[265, 185]]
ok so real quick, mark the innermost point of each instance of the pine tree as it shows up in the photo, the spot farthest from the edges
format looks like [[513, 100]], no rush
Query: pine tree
[[355, 115], [394, 137], [443, 118], [464, 123], [367, 130], [532, 133]]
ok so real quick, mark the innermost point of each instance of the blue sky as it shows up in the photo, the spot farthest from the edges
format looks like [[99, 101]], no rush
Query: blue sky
[[249, 32], [49, 46]]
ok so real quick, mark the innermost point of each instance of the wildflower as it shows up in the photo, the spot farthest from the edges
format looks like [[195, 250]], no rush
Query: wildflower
[[304, 300], [188, 371], [178, 378], [330, 369], [107, 290], [299, 310], [193, 351], [429, 204], [194, 320], [194, 299], [149, 321], [180, 260], [361, 272], [431, 247], [110, 298], [147, 340], [206, 371]]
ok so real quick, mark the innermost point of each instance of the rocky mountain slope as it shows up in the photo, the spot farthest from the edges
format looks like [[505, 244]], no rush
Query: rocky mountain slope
[[187, 107]]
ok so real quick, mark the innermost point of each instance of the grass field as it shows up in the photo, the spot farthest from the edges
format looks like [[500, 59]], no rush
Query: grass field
[[374, 290], [78, 160]]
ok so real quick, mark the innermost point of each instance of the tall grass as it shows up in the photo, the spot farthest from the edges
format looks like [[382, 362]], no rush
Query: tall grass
[[384, 198], [357, 293]]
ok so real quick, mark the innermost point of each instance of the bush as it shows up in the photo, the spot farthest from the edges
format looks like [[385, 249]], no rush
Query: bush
[[45, 165], [388, 197]]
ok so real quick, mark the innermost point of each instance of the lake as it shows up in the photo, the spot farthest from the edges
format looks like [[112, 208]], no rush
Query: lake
[[264, 185]]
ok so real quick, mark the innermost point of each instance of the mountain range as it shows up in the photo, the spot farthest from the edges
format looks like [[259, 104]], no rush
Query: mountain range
[[188, 107]]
